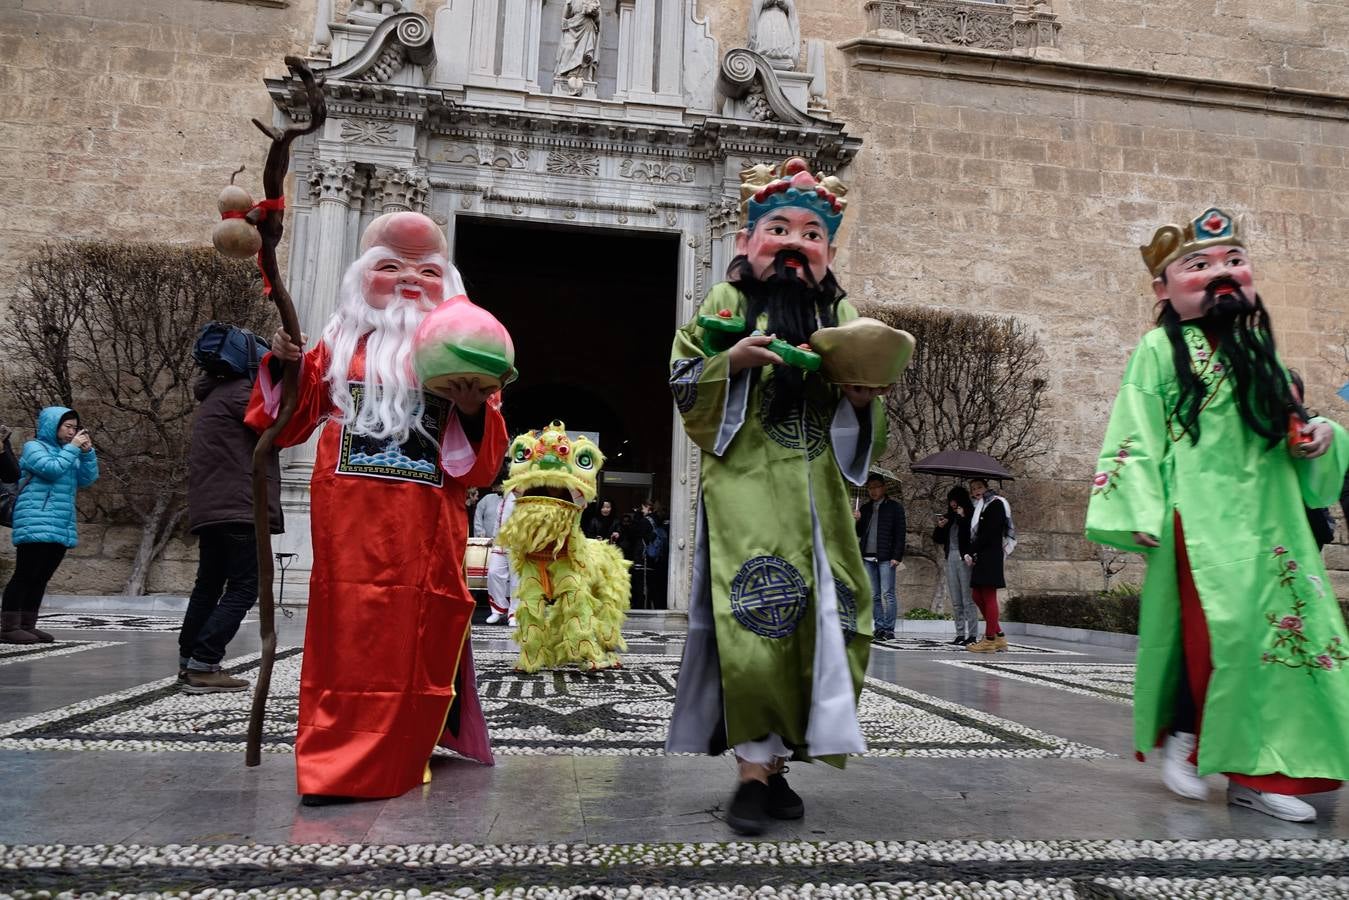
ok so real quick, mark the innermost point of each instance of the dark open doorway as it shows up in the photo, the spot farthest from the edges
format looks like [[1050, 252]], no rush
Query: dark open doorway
[[592, 314]]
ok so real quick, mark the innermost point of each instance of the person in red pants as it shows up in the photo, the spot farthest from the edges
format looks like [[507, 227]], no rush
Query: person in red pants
[[988, 527]]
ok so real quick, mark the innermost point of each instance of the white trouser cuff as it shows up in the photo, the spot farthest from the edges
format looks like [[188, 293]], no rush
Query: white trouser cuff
[[764, 752]]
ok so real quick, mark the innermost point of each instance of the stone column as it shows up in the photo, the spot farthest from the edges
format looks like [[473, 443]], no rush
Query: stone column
[[623, 81], [641, 49], [670, 63], [483, 42], [515, 33], [332, 185]]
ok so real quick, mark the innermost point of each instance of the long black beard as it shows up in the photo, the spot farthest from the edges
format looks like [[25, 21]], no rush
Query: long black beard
[[797, 307], [1244, 342]]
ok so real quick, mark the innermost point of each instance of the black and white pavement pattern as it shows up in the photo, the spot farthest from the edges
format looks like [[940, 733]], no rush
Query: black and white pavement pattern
[[114, 622], [25, 653], [1105, 681], [1009, 870], [567, 712]]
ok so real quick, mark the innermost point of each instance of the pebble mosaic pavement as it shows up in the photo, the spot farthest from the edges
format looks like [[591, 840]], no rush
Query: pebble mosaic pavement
[[1100, 870], [115, 622], [1105, 681], [567, 712], [26, 653], [623, 714]]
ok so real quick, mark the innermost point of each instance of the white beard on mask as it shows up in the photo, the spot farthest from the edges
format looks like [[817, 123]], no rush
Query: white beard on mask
[[391, 399]]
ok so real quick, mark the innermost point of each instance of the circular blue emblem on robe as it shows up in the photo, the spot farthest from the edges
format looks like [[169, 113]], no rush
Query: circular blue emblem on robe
[[684, 382], [768, 596], [847, 609], [807, 431]]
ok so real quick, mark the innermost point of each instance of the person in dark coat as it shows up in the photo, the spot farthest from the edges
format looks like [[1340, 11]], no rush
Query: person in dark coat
[[987, 529], [220, 513], [953, 535], [9, 463], [604, 525], [880, 530]]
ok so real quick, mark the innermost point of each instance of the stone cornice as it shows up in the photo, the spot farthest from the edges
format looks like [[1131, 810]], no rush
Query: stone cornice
[[881, 54], [825, 143]]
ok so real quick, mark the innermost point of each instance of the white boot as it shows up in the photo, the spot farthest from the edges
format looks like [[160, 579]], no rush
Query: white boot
[[494, 618], [1179, 774], [1280, 806]]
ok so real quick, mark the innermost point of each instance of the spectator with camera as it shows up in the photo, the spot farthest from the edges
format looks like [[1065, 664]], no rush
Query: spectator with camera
[[58, 462], [220, 506]]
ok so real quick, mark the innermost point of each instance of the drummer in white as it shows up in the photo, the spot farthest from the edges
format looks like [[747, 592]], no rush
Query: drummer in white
[[492, 512]]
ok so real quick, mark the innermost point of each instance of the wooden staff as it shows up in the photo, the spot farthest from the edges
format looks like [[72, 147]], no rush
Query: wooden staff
[[269, 217]]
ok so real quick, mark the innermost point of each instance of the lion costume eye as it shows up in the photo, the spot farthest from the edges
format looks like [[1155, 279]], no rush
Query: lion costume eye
[[521, 453], [585, 459]]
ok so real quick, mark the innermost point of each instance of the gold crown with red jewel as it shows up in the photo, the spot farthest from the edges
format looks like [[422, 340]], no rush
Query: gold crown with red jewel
[[764, 188], [1211, 228]]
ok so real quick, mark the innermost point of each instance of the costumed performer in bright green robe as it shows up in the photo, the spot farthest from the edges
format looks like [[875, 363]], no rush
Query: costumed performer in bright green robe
[[780, 606], [1208, 462]]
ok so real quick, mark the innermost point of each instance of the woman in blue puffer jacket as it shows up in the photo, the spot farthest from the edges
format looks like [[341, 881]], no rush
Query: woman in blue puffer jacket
[[57, 463]]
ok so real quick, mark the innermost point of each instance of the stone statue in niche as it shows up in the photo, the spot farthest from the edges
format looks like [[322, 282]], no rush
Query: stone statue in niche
[[775, 32], [578, 48]]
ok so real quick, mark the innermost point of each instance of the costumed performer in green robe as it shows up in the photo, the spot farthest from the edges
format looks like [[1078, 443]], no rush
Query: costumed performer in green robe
[[780, 605], [1207, 463]]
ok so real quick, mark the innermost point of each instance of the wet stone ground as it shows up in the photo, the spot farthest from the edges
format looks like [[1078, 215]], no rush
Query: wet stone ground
[[1008, 776]]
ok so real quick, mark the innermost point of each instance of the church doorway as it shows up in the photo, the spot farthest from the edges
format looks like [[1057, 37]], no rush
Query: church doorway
[[592, 313]]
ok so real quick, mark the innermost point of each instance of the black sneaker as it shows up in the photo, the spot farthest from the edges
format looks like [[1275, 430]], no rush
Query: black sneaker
[[957, 641], [748, 813], [783, 802]]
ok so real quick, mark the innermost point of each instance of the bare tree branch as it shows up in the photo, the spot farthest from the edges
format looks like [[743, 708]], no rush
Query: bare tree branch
[[107, 329]]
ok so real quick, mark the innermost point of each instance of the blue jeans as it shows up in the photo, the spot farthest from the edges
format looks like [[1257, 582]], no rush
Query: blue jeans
[[884, 608]]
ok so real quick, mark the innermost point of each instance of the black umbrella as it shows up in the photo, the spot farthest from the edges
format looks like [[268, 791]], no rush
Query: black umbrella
[[962, 464]]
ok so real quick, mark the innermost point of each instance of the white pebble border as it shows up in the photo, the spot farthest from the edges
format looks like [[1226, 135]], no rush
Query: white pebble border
[[1212, 889], [14, 653], [1081, 673], [401, 862], [737, 853], [885, 710]]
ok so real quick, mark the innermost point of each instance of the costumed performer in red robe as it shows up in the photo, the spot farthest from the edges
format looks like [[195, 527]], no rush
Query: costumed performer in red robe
[[387, 671]]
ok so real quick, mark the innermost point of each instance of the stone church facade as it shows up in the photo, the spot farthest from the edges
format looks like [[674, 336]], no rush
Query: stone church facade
[[1002, 158]]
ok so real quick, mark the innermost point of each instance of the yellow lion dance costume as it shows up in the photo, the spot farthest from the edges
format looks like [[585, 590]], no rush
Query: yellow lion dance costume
[[574, 592]]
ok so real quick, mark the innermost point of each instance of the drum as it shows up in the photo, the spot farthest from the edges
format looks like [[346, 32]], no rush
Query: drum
[[475, 562]]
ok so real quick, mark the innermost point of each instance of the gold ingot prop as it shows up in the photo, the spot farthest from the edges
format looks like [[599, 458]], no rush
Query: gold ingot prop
[[864, 352]]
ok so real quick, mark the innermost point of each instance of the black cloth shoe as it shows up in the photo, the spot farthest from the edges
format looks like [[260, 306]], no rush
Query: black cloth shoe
[[324, 800], [748, 813], [783, 802], [957, 641]]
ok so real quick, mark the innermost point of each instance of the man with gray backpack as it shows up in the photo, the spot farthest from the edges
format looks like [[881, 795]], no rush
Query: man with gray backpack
[[220, 506]]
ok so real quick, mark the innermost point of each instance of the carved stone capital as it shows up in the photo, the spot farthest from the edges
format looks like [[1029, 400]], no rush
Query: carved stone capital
[[331, 181], [397, 190], [723, 217], [1022, 28]]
